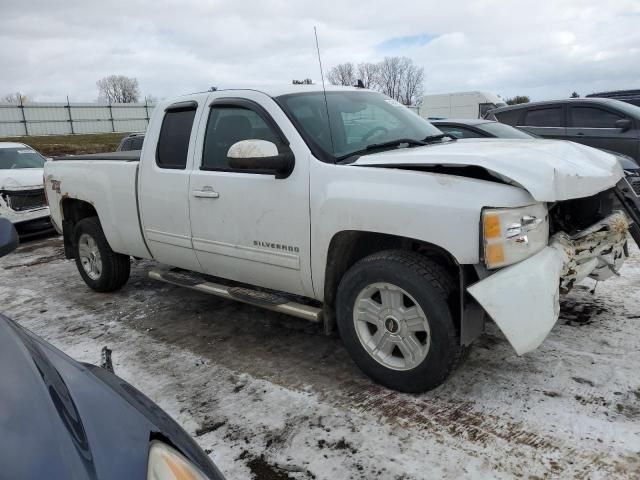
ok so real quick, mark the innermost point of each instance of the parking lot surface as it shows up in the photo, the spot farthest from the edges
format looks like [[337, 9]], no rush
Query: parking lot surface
[[271, 397]]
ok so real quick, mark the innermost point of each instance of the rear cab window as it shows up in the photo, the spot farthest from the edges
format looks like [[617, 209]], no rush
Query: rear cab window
[[175, 134]]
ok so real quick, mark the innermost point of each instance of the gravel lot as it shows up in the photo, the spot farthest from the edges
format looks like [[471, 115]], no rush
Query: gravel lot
[[270, 397]]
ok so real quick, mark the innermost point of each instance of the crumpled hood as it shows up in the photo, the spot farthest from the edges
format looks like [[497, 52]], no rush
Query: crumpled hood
[[21, 178], [550, 170]]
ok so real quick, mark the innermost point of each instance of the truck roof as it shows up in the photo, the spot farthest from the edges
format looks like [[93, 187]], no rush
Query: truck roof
[[286, 89]]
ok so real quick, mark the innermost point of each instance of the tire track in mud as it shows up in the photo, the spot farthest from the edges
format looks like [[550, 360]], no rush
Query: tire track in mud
[[461, 421]]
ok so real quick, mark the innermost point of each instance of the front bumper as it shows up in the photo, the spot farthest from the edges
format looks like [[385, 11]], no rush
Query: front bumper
[[18, 218], [523, 299]]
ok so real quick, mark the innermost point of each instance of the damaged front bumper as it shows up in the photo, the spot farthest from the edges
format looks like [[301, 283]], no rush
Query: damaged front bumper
[[24, 206], [523, 299]]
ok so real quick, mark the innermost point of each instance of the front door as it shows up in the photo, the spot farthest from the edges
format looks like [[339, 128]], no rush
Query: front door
[[250, 226]]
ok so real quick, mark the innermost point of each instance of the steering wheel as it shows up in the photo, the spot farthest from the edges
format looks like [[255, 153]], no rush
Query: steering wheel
[[372, 132]]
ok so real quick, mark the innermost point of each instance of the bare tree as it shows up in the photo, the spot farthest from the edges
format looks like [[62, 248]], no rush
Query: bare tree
[[397, 77], [118, 89], [393, 72], [411, 85], [342, 74], [368, 73], [18, 98]]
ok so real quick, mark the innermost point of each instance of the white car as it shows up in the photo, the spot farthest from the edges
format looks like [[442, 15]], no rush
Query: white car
[[344, 207], [22, 197]]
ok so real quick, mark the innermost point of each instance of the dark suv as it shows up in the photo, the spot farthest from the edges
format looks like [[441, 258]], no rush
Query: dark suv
[[629, 96], [133, 141], [598, 122]]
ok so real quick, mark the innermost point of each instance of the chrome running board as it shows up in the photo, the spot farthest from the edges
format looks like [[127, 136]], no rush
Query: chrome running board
[[258, 298]]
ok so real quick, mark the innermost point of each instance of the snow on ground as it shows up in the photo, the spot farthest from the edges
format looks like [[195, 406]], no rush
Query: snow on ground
[[270, 397]]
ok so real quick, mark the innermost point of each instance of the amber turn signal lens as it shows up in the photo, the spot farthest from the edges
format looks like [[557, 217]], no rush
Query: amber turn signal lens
[[494, 254], [492, 226]]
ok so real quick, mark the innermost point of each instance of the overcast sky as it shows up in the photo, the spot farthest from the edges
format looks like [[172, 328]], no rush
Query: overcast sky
[[545, 49]]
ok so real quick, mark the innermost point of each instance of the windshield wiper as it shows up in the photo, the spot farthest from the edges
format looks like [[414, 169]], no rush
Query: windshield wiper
[[395, 143], [380, 146]]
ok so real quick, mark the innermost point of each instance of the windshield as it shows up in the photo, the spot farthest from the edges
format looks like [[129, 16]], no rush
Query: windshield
[[501, 130], [359, 119], [22, 157]]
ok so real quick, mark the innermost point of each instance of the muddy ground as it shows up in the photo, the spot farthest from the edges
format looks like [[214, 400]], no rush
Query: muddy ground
[[271, 397]]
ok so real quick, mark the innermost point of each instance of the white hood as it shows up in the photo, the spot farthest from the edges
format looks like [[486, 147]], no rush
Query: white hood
[[21, 178], [550, 170]]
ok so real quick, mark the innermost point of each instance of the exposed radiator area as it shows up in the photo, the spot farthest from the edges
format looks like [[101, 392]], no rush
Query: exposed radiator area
[[23, 200]]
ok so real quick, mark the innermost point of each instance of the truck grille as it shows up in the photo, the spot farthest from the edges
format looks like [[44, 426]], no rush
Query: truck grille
[[20, 201]]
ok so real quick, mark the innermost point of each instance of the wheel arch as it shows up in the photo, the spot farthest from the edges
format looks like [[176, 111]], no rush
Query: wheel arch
[[349, 246], [73, 210]]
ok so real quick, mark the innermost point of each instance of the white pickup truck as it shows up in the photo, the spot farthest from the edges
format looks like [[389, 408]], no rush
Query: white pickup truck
[[344, 207]]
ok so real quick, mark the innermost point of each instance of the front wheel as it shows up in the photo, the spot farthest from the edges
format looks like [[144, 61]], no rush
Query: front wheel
[[101, 268], [395, 320]]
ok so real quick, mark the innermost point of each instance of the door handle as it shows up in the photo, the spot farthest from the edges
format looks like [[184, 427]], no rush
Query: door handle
[[206, 192], [580, 134]]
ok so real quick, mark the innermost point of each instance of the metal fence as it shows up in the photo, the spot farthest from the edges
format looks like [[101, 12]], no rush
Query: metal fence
[[71, 118]]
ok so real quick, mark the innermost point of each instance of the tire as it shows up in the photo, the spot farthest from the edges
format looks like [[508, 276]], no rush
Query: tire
[[401, 347], [102, 269]]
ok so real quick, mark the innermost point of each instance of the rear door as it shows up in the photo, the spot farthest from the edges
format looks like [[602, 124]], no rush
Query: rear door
[[250, 226], [595, 126], [167, 159], [547, 121]]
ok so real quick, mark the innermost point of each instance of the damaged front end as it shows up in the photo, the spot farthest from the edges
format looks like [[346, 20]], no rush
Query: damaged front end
[[26, 208], [597, 252], [588, 239]]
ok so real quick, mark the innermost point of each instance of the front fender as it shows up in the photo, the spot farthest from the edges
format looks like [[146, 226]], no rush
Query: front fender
[[442, 210]]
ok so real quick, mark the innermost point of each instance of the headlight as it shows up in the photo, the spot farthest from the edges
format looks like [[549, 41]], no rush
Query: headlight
[[166, 463], [513, 234]]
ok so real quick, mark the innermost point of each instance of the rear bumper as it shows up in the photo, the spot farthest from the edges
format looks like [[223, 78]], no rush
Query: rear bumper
[[523, 299]]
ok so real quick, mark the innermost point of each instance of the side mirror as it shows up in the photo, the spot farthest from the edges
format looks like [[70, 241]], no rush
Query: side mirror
[[260, 155], [623, 124], [8, 237]]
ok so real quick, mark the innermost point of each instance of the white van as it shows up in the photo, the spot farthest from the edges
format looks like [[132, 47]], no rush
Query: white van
[[459, 105]]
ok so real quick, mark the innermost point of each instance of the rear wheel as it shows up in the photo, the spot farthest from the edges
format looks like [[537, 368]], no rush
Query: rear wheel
[[101, 268], [395, 321]]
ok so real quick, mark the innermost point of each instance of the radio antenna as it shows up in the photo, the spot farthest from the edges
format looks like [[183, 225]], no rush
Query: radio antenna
[[324, 91]]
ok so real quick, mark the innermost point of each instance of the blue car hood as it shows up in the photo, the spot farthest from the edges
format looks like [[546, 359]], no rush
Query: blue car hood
[[60, 419]]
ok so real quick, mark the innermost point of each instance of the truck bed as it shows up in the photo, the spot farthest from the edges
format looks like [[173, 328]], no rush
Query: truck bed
[[128, 156], [106, 182]]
